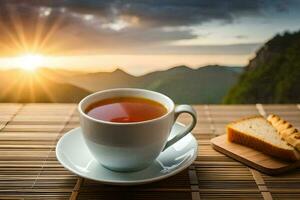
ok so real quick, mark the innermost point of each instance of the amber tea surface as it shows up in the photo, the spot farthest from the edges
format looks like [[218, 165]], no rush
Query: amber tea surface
[[125, 109]]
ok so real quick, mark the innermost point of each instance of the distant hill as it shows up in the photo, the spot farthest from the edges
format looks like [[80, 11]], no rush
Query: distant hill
[[185, 85], [273, 76], [103, 80], [21, 86]]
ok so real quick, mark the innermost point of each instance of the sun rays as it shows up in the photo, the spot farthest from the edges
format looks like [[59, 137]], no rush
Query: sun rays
[[28, 46], [30, 33], [28, 87]]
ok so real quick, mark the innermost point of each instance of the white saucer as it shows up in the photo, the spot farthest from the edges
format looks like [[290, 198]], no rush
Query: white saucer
[[73, 154]]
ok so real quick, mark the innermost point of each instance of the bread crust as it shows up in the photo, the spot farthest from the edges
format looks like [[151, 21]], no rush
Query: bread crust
[[260, 145], [286, 130]]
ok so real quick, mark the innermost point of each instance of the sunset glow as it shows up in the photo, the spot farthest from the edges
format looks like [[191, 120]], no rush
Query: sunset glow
[[30, 62], [138, 37]]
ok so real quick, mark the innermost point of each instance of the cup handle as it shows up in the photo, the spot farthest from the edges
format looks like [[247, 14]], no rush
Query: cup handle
[[178, 110]]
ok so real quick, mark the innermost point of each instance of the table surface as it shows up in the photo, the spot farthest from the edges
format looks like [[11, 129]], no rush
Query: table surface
[[29, 169]]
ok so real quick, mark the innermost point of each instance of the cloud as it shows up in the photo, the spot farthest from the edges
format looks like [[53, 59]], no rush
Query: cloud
[[114, 26], [177, 12], [235, 49], [241, 36]]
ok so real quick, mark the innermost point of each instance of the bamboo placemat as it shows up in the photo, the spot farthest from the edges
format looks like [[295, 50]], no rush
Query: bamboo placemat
[[29, 169]]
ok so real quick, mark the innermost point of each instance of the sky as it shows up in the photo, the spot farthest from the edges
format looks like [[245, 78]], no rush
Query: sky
[[140, 36]]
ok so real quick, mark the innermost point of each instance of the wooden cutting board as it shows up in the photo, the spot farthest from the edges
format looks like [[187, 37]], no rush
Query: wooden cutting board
[[251, 157]]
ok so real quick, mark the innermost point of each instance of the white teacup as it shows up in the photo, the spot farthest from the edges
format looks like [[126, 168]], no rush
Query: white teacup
[[131, 146]]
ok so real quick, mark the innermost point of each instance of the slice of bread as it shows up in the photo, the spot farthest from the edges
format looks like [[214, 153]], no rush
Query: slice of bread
[[257, 133], [286, 130]]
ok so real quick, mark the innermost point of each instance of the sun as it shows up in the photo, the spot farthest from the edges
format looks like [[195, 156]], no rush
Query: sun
[[30, 62]]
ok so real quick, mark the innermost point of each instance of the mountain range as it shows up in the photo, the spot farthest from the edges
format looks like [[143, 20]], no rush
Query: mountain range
[[22, 86], [273, 75], [184, 85]]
